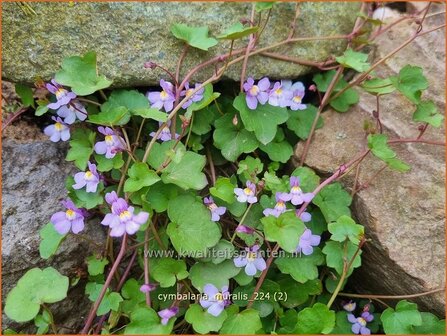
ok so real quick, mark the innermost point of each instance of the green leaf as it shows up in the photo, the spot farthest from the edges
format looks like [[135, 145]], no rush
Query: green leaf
[[81, 147], [346, 228], [427, 112], [208, 97], [111, 300], [296, 293], [187, 173], [317, 319], [34, 288], [222, 251], [301, 267], [264, 5], [237, 31], [278, 151], [218, 275], [145, 321], [26, 94], [132, 295], [335, 255], [354, 60], [246, 322], [263, 121], [410, 82], [140, 176], [81, 75], [309, 181], [95, 265], [223, 189], [42, 322], [111, 115], [41, 110], [402, 320], [343, 102], [333, 202], [378, 86], [82, 198], [132, 100], [196, 37], [342, 325], [202, 321], [249, 168], [104, 164], [191, 229], [151, 113], [167, 271], [50, 241], [301, 122], [286, 230], [203, 120], [378, 143], [233, 140], [160, 194], [430, 325]]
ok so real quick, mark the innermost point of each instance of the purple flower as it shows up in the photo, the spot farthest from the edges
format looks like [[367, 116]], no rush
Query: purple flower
[[72, 111], [252, 261], [350, 306], [280, 95], [89, 178], [297, 90], [256, 93], [214, 300], [164, 98], [305, 216], [146, 288], [111, 145], [198, 96], [247, 194], [244, 229], [63, 97], [111, 197], [307, 241], [57, 131], [122, 219], [359, 323], [280, 206], [167, 314], [297, 195], [72, 218], [216, 211], [165, 134]]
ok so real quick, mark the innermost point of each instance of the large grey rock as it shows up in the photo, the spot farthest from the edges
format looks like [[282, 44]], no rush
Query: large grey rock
[[125, 35], [404, 213], [33, 174]]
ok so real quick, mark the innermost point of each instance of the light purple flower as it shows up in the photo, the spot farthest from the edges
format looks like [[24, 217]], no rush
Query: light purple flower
[[359, 323], [146, 288], [216, 211], [297, 90], [247, 194], [297, 195], [305, 216], [196, 97], [245, 229], [111, 145], [122, 218], [111, 197], [280, 206], [57, 131], [164, 98], [72, 111], [350, 306], [165, 134], [72, 218], [251, 260], [214, 300], [63, 96], [280, 95], [256, 93], [89, 178], [167, 314], [307, 241]]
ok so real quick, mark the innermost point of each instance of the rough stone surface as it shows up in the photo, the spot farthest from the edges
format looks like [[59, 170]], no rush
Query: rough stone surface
[[404, 213], [33, 174], [125, 35]]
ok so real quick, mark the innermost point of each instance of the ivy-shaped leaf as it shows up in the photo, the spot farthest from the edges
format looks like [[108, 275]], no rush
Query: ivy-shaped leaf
[[167, 271], [301, 122], [50, 241], [81, 147], [286, 230], [187, 172], [301, 267], [202, 321], [378, 86], [196, 37], [210, 273], [333, 202], [111, 300], [81, 75], [427, 112], [140, 176], [354, 60], [335, 255], [246, 322], [104, 164], [378, 143], [145, 321], [317, 319], [26, 94], [346, 228], [95, 266], [401, 320], [224, 190], [410, 82], [237, 31]]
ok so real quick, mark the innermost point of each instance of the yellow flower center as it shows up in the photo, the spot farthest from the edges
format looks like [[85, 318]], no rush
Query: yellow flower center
[[254, 90], [248, 192], [88, 175], [361, 321], [58, 126], [109, 139], [125, 215], [296, 189], [163, 95], [219, 297], [60, 92], [251, 256], [278, 91], [189, 92], [212, 206], [70, 214], [280, 205], [297, 99]]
